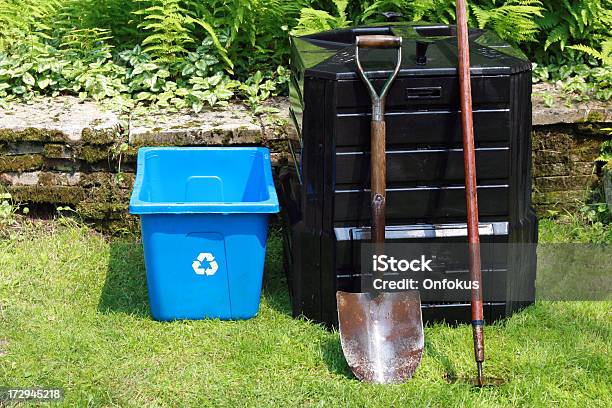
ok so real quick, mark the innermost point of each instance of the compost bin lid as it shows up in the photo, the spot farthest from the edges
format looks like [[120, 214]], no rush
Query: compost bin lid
[[331, 54]]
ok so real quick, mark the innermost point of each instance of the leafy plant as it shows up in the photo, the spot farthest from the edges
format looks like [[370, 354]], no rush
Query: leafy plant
[[605, 154], [193, 53], [582, 26], [577, 82], [513, 20], [8, 209], [169, 27], [24, 21], [312, 20], [260, 87]]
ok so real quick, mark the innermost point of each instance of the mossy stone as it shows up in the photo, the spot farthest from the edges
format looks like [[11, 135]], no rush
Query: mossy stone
[[94, 210], [22, 162], [57, 151], [564, 183], [565, 198], [92, 154], [98, 136], [595, 116], [48, 194], [32, 135]]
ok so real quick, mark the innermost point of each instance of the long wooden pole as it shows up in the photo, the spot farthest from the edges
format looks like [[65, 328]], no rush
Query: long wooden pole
[[471, 196]]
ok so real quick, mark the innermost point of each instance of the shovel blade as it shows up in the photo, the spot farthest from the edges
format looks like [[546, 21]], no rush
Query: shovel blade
[[381, 335]]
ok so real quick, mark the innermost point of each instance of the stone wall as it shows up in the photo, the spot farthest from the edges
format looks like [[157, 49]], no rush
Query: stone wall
[[564, 168], [60, 152], [63, 152], [566, 140]]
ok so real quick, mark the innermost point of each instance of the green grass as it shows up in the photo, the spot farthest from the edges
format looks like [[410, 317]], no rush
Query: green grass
[[572, 229], [74, 314]]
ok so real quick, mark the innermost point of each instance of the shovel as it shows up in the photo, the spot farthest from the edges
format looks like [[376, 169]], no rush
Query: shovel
[[381, 333]]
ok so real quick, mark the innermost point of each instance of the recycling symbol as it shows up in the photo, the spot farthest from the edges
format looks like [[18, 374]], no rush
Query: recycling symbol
[[212, 264]]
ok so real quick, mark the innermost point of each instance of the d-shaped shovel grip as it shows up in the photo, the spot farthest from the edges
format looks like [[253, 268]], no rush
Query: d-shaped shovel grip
[[378, 132], [378, 41]]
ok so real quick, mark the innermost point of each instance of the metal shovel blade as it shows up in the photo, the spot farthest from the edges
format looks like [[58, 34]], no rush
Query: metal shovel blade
[[381, 334]]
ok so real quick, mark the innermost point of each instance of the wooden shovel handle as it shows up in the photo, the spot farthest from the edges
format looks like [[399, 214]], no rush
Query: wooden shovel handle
[[378, 183], [378, 41]]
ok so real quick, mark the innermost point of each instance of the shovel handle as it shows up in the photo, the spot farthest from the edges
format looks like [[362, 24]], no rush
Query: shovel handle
[[378, 161], [378, 41], [378, 183]]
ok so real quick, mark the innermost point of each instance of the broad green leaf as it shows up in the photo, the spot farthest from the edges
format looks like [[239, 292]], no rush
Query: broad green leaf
[[202, 66], [43, 83], [197, 106], [28, 79]]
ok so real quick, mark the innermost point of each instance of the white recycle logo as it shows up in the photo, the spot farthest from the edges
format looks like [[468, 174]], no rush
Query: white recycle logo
[[208, 257]]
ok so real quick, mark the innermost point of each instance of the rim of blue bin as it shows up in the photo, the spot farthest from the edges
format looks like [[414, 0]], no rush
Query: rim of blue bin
[[248, 207]]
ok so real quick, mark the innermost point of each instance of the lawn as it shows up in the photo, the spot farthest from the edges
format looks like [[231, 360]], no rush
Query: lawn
[[74, 314]]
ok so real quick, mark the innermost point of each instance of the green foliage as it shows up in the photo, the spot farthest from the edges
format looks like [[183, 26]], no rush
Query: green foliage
[[583, 26], [169, 27], [116, 17], [8, 210], [172, 29], [24, 21], [577, 82], [442, 11], [513, 20], [46, 70], [254, 33], [605, 154], [312, 20], [261, 86], [194, 53], [565, 228]]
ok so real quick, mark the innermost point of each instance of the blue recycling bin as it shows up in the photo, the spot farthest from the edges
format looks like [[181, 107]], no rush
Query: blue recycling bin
[[204, 219]]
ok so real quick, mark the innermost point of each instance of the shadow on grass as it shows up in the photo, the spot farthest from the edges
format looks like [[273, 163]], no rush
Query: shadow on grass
[[125, 288], [334, 358], [449, 368], [275, 288]]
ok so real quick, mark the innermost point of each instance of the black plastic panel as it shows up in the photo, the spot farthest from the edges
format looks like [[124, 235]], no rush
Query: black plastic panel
[[403, 95], [443, 166], [435, 128], [420, 202]]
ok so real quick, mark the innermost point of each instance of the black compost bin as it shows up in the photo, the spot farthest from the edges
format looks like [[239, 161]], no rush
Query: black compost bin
[[325, 191]]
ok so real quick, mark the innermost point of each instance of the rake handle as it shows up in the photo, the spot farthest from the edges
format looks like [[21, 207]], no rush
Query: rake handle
[[471, 195]]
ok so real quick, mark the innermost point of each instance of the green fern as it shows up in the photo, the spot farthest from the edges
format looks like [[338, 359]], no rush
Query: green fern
[[173, 31], [582, 26], [441, 11], [312, 20], [25, 21], [513, 20], [169, 28], [112, 17], [605, 55]]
